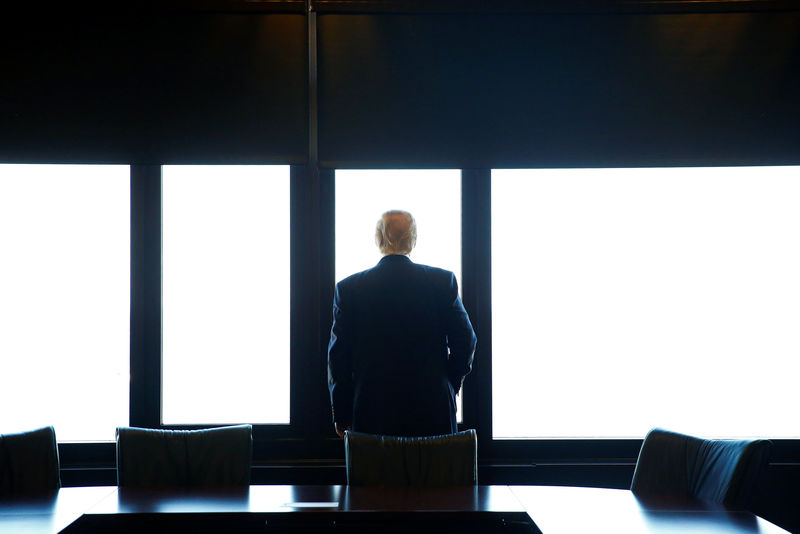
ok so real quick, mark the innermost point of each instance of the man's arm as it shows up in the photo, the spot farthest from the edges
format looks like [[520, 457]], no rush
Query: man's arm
[[340, 367], [460, 337]]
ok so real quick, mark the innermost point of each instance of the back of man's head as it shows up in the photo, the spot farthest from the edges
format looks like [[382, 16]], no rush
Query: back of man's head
[[396, 232]]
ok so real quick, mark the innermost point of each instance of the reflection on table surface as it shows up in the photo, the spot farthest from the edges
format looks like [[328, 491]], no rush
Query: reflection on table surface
[[564, 509], [279, 499], [554, 510], [51, 512]]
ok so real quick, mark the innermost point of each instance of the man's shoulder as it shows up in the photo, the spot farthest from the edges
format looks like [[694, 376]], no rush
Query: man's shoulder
[[435, 272], [354, 278]]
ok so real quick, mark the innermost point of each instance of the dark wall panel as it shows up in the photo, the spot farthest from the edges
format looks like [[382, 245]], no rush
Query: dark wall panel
[[154, 88], [562, 90]]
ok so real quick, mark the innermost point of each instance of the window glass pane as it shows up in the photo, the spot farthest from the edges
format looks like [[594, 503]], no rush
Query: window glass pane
[[433, 197], [225, 294], [65, 299], [624, 299]]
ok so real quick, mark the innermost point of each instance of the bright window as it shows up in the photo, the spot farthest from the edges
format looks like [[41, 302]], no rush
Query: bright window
[[65, 299], [225, 354], [433, 197], [624, 299]]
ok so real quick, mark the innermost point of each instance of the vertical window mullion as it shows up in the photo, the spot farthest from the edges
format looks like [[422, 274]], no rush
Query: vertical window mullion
[[327, 257], [305, 372], [145, 393], [476, 287]]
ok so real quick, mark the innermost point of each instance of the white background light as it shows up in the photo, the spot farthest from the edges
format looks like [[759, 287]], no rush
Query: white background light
[[65, 299], [433, 197], [225, 294], [624, 299]]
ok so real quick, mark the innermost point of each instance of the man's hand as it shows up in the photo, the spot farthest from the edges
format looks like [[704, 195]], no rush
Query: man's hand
[[340, 429]]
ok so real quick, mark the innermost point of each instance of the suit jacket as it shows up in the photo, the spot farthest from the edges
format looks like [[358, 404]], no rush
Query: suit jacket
[[401, 344]]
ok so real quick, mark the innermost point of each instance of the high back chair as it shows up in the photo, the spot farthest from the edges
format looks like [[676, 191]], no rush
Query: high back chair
[[448, 460], [717, 471], [29, 462], [184, 458]]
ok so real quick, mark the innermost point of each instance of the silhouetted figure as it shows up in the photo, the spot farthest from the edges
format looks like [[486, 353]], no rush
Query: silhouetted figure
[[401, 342]]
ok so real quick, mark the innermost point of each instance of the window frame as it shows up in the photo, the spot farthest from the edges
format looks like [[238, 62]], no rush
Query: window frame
[[308, 440]]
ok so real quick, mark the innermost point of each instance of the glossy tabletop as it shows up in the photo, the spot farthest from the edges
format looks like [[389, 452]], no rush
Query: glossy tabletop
[[569, 510], [554, 509], [287, 499], [303, 509], [50, 513]]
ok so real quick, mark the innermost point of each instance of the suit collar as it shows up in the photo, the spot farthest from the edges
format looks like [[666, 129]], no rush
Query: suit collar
[[395, 259]]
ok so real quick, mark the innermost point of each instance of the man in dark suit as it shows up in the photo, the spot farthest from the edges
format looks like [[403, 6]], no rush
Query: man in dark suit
[[401, 342]]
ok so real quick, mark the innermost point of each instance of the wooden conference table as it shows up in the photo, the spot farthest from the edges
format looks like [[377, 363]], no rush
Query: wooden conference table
[[511, 509]]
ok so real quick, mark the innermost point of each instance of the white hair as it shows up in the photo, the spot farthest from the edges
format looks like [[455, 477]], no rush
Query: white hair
[[396, 232]]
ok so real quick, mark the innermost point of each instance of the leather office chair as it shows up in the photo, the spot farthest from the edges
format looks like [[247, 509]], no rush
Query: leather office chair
[[449, 460], [29, 462], [718, 471], [184, 458]]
